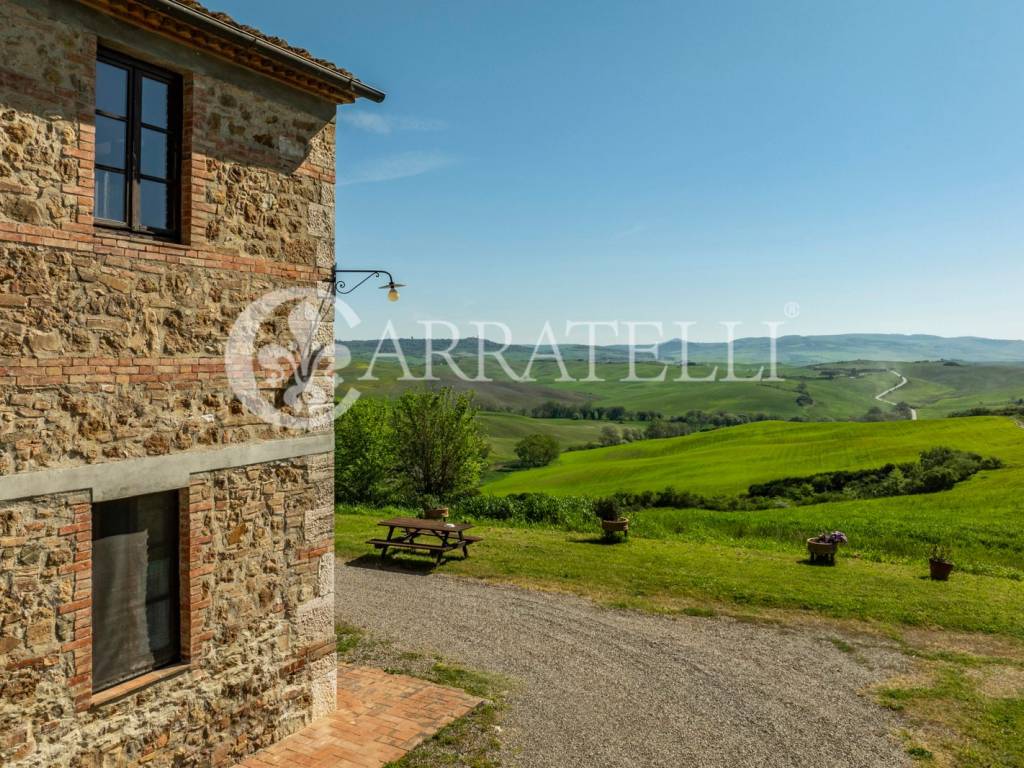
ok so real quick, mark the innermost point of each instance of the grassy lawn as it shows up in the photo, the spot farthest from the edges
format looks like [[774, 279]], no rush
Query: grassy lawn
[[729, 460], [676, 574], [962, 711]]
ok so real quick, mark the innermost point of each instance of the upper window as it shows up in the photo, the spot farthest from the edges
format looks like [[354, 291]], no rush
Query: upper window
[[135, 602], [138, 145]]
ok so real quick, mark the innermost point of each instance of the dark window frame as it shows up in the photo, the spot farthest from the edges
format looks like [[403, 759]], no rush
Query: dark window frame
[[132, 171], [174, 653]]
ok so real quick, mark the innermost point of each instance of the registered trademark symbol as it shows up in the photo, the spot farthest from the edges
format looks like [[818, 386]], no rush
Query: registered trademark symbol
[[791, 309]]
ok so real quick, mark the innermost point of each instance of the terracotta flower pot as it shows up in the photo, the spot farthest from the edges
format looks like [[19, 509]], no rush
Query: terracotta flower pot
[[616, 526], [821, 551], [436, 513], [940, 570]]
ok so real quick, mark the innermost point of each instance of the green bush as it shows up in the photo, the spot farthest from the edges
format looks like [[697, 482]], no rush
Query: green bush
[[573, 513], [607, 508], [537, 450], [439, 449], [937, 469], [364, 453]]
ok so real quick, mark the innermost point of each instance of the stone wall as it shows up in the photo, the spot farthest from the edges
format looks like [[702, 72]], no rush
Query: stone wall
[[112, 347], [42, 64], [259, 629], [104, 359]]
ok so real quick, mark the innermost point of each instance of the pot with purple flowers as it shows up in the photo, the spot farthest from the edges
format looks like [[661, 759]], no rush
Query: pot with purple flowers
[[824, 546]]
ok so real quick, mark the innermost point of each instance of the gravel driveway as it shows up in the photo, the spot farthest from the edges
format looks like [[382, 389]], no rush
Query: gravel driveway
[[602, 688]]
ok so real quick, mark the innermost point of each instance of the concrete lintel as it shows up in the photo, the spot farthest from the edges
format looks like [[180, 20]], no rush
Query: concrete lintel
[[132, 477]]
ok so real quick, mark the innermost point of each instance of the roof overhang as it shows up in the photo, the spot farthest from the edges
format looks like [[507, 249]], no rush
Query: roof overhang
[[200, 30]]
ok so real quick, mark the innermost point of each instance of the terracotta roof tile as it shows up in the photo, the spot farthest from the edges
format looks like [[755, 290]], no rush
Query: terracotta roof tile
[[196, 6]]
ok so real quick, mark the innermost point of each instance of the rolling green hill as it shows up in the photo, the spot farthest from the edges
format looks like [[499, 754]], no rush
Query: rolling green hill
[[840, 391], [729, 460], [504, 430], [937, 389]]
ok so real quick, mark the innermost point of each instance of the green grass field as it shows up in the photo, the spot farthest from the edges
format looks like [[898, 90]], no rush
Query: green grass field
[[504, 430], [937, 390], [729, 460], [934, 388], [678, 574], [755, 557]]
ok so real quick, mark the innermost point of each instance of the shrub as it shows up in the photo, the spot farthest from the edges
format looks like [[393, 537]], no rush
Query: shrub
[[537, 450], [364, 453], [937, 469], [570, 512], [439, 450], [607, 508]]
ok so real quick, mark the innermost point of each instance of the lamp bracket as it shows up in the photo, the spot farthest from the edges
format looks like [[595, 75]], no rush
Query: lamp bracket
[[340, 287]]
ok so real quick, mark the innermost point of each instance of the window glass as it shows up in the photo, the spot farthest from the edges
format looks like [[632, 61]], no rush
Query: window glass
[[154, 204], [110, 196], [138, 145], [154, 102], [111, 89], [135, 611], [154, 154], [110, 149]]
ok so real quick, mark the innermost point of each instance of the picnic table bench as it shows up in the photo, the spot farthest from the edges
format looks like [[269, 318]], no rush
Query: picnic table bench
[[440, 537]]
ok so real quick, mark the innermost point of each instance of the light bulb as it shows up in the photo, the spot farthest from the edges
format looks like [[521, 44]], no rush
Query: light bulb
[[393, 294]]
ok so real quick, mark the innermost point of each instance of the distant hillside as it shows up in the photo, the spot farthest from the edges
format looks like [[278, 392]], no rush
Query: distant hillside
[[807, 350], [729, 460], [792, 350]]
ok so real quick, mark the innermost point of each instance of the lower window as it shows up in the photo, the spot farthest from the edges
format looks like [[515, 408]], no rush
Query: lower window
[[135, 604]]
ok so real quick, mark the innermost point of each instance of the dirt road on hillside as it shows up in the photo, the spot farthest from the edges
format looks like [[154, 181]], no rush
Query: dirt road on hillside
[[881, 396]]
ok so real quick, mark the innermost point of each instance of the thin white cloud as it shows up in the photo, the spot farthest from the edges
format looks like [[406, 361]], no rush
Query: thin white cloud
[[636, 229], [397, 166], [381, 125]]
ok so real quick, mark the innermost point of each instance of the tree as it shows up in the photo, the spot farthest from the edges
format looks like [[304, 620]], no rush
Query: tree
[[364, 454], [439, 450], [537, 450], [610, 436]]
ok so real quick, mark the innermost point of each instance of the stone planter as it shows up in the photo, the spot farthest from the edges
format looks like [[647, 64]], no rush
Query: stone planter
[[822, 552], [436, 513], [940, 570], [615, 526]]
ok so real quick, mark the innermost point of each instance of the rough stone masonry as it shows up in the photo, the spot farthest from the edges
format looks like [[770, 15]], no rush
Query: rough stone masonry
[[112, 375]]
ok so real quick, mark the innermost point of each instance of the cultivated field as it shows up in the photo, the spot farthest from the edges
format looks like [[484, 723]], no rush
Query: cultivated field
[[729, 460], [839, 391], [504, 430]]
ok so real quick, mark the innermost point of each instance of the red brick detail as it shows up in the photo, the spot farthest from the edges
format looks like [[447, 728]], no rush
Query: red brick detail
[[117, 245], [155, 371], [196, 566], [79, 647]]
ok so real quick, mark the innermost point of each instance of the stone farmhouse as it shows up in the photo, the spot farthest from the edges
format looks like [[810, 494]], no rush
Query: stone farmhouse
[[166, 559]]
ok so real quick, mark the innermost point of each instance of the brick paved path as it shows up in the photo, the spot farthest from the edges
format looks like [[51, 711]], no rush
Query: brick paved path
[[379, 718]]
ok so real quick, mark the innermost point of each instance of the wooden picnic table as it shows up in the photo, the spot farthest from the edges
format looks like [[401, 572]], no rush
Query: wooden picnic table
[[440, 537]]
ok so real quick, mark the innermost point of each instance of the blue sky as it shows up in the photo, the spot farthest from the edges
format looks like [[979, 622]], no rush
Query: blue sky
[[680, 160]]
